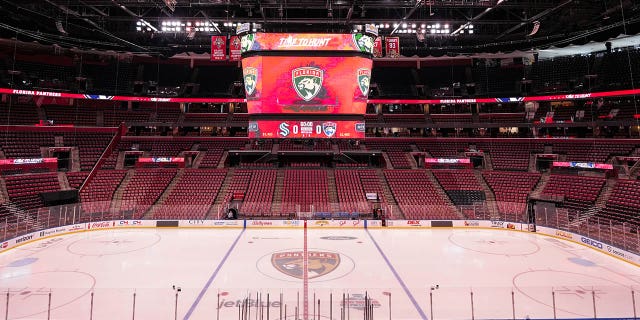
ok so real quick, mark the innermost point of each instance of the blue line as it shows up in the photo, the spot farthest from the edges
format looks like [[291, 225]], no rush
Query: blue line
[[395, 273], [213, 276]]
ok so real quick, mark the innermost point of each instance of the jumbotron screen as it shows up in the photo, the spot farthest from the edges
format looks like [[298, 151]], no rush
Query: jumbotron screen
[[306, 84], [306, 129]]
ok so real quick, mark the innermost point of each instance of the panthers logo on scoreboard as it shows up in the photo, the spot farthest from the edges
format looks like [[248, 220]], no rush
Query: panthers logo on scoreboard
[[246, 42], [307, 81], [364, 78], [291, 263], [329, 128], [250, 80], [363, 42]]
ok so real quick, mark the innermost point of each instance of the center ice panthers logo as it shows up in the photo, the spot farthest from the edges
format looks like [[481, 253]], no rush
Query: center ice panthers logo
[[250, 80], [307, 81], [291, 263]]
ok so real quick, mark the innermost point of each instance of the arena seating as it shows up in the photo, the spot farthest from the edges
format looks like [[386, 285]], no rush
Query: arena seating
[[579, 192], [77, 115], [511, 190], [76, 178], [257, 186], [511, 154], [24, 190], [303, 189], [353, 185], [215, 148], [624, 202], [144, 189], [193, 195], [461, 186], [96, 196], [90, 146], [417, 196]]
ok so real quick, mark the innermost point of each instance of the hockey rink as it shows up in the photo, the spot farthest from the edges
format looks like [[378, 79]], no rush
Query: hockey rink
[[406, 274]]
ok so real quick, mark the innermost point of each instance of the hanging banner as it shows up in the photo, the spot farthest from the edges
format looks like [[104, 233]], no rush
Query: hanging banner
[[218, 48], [377, 47], [234, 48], [392, 46]]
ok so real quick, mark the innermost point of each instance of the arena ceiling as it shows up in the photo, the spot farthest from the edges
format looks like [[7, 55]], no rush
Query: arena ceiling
[[426, 27]]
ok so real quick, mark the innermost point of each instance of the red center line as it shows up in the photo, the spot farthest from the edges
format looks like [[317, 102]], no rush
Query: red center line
[[305, 274]]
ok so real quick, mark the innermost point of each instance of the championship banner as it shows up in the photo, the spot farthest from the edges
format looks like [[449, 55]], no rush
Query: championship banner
[[377, 47], [218, 48], [339, 129], [392, 46], [307, 42], [234, 48]]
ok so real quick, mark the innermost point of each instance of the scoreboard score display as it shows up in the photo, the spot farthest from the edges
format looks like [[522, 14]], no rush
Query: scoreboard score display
[[306, 129], [318, 82]]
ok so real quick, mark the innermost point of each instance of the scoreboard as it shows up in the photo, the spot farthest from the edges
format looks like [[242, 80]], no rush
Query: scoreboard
[[319, 83], [306, 129]]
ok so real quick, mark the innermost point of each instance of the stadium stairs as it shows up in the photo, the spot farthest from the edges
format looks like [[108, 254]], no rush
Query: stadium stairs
[[62, 179], [390, 200], [222, 195], [164, 194], [276, 204], [116, 202], [600, 204], [443, 194], [334, 204], [491, 197]]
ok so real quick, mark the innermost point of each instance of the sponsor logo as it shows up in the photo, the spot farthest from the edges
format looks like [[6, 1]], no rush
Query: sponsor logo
[[250, 80], [76, 227], [130, 222], [511, 226], [292, 223], [564, 234], [5, 244], [322, 223], [48, 243], [357, 301], [51, 231], [471, 223], [363, 76], [497, 224], [218, 223], [360, 127], [592, 243], [307, 81], [28, 161], [291, 42], [25, 238], [338, 238], [415, 223], [261, 223], [329, 128], [98, 97], [160, 99], [251, 303], [619, 253], [198, 222], [253, 126], [319, 263], [98, 225], [363, 42]]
